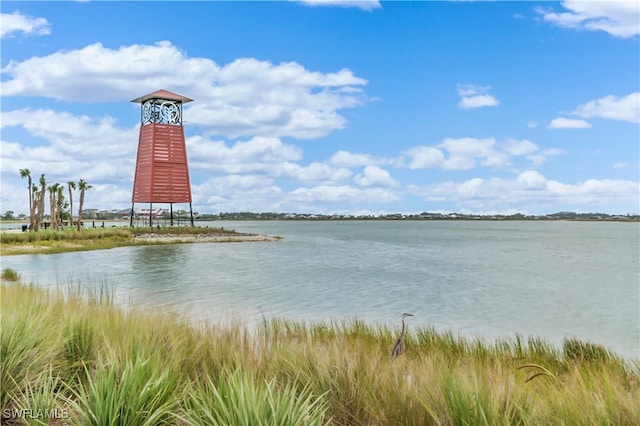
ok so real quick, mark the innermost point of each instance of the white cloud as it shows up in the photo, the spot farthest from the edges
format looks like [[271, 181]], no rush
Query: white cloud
[[568, 123], [267, 157], [625, 108], [618, 18], [348, 159], [246, 97], [241, 175], [70, 146], [255, 155], [538, 158], [530, 190], [477, 101], [520, 147], [466, 153], [463, 154], [248, 174], [342, 194], [375, 176], [474, 96], [16, 22], [313, 173], [425, 157], [531, 179], [362, 4], [238, 193]]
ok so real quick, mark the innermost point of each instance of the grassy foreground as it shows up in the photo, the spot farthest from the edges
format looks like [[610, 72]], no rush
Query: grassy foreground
[[49, 241], [73, 357]]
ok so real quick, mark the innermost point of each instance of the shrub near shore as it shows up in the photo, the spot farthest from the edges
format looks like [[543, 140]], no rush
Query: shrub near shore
[[76, 353]]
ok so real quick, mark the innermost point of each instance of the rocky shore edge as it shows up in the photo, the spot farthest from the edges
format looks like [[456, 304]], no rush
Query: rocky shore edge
[[204, 238]]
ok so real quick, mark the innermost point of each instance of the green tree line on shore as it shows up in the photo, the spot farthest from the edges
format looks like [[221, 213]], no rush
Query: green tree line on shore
[[58, 205]]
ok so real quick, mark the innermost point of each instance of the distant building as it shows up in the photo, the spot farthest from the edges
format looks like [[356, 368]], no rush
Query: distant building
[[144, 213], [89, 213]]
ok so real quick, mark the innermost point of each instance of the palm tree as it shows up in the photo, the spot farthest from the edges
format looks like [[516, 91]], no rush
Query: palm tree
[[83, 187], [52, 204], [54, 191], [25, 173], [35, 193], [40, 203], [72, 186], [59, 205]]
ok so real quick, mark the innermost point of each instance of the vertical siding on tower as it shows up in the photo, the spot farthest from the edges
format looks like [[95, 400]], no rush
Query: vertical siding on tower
[[162, 173]]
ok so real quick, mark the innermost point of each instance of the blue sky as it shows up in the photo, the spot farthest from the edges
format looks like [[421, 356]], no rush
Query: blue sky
[[333, 106]]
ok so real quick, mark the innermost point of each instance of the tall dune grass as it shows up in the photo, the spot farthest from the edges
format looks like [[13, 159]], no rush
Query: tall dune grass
[[72, 234], [69, 234], [50, 241], [69, 352]]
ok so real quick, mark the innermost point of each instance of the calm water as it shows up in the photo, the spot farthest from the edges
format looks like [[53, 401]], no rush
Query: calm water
[[486, 279]]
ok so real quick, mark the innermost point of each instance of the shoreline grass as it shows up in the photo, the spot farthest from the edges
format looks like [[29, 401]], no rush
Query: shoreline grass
[[81, 357], [50, 242]]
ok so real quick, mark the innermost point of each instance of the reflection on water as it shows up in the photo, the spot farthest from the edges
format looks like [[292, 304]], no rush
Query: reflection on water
[[549, 279]]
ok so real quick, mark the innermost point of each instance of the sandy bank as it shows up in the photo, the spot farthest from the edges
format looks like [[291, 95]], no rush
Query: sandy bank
[[204, 238], [61, 246]]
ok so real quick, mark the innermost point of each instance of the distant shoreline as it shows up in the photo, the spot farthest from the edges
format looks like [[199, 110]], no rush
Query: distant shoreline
[[573, 217]]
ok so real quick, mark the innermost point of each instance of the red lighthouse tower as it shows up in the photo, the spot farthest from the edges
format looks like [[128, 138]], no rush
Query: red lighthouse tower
[[162, 172]]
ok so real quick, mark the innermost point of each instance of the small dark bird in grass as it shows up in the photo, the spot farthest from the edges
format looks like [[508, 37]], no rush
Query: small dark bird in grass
[[397, 348]]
